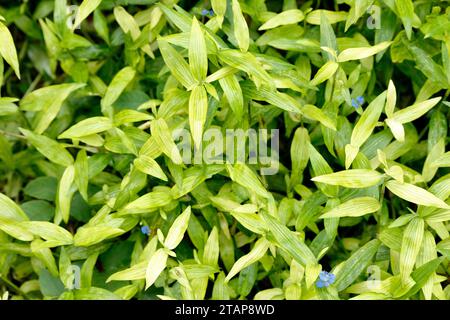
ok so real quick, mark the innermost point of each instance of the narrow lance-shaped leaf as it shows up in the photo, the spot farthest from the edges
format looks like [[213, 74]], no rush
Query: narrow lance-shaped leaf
[[8, 49], [405, 9], [353, 208], [412, 240], [289, 242], [414, 194], [325, 73], [64, 195], [82, 173], [198, 59], [163, 138], [364, 128], [85, 9], [354, 178], [415, 111], [51, 149], [87, 127], [233, 93], [48, 101], [176, 64], [156, 265], [299, 154], [240, 26], [198, 109], [118, 84], [286, 17], [358, 261], [363, 52], [258, 251], [177, 230]]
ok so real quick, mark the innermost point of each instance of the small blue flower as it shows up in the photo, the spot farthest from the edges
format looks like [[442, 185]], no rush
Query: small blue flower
[[145, 230], [325, 279], [205, 12], [357, 102], [211, 12]]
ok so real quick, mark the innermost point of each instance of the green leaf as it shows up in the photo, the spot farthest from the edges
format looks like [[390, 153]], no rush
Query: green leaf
[[177, 65], [8, 49], [51, 149], [233, 93], [198, 59], [47, 102], [118, 84], [240, 26], [363, 52], [405, 9], [163, 138], [353, 266], [353, 208], [414, 194], [289, 242], [325, 73], [82, 173], [283, 18], [198, 109], [354, 178], [64, 194], [10, 210], [257, 252], [411, 242], [177, 230], [85, 9], [364, 127], [87, 127], [155, 266], [415, 111]]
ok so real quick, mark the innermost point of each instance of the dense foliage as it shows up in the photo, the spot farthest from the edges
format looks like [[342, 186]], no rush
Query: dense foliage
[[97, 200]]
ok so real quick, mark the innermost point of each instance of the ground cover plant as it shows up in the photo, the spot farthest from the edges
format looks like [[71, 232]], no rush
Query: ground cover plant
[[224, 149]]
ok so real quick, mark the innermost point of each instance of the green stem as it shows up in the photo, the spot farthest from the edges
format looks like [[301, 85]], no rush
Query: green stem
[[13, 287]]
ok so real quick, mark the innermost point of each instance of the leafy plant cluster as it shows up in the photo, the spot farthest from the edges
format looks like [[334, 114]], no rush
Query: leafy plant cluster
[[97, 203]]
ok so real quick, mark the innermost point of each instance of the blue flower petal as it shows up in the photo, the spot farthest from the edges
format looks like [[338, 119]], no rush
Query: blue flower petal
[[211, 12], [205, 12], [323, 275], [355, 104], [145, 230], [332, 278], [360, 100], [320, 284]]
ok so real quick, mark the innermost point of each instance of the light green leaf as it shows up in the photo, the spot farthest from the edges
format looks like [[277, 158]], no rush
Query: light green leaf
[[258, 251], [354, 208], [51, 149], [363, 52], [164, 140], [198, 59], [352, 267], [64, 194], [8, 49], [118, 84], [415, 111], [85, 9], [240, 26], [87, 127], [283, 18], [177, 65], [177, 230], [325, 73], [414, 194], [354, 178], [198, 109], [412, 240], [155, 266], [233, 93]]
